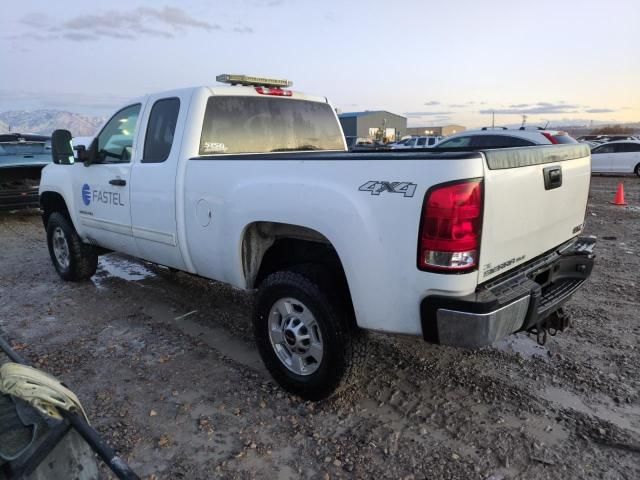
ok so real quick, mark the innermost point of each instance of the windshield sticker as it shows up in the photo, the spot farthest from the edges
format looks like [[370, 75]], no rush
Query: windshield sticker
[[214, 147]]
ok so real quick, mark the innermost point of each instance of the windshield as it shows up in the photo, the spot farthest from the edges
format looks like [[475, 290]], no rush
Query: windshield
[[262, 125], [24, 148]]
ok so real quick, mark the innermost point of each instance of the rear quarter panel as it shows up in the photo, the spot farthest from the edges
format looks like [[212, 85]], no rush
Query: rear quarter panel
[[375, 235]]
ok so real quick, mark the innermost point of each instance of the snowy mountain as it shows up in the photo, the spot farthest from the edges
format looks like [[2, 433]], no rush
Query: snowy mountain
[[44, 122]]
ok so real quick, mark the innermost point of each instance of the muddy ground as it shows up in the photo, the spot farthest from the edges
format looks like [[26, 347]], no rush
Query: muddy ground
[[165, 366]]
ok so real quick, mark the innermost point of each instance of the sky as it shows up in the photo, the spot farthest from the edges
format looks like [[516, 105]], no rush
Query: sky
[[567, 62]]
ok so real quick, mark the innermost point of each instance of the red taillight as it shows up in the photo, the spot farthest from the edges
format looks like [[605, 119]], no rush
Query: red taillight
[[273, 91], [450, 228], [550, 137]]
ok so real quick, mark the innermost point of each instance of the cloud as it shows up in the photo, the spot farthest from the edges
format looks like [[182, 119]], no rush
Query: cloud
[[540, 108], [545, 108], [165, 22], [599, 110], [431, 103], [457, 105], [425, 114]]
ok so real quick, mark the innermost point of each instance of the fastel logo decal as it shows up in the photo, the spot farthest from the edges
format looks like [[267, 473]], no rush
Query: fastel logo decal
[[86, 194], [377, 187]]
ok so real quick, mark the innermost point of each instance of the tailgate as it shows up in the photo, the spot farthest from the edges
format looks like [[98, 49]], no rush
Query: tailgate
[[526, 215]]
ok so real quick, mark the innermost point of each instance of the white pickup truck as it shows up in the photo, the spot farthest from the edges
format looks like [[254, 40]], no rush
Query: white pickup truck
[[251, 184]]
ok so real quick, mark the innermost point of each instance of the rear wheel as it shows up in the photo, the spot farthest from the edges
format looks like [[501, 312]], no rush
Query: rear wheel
[[637, 170], [305, 334], [72, 259]]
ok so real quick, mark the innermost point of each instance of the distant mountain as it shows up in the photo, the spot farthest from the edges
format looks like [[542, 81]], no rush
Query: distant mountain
[[44, 122]]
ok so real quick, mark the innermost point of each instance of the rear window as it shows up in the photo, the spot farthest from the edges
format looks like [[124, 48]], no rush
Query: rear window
[[261, 125], [564, 138], [24, 148]]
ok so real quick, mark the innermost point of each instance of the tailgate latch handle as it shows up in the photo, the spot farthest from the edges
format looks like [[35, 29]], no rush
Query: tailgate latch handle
[[552, 177]]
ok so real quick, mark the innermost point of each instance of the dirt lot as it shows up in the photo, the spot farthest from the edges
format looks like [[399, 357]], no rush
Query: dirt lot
[[165, 366]]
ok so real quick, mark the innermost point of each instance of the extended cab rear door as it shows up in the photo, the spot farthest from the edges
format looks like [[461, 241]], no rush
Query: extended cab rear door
[[153, 179]]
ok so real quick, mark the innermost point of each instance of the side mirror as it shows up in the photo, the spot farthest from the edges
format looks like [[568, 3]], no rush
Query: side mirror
[[62, 148]]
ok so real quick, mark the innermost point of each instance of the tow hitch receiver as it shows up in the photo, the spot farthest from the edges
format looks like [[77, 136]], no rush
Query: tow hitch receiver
[[558, 321]]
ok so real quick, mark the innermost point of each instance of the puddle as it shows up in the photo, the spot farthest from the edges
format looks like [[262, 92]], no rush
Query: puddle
[[523, 344], [116, 266], [570, 400]]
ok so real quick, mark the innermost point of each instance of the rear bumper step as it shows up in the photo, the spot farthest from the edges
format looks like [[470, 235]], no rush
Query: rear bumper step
[[519, 300]]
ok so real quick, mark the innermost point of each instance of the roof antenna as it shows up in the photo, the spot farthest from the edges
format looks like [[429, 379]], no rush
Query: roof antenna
[[524, 122], [546, 125]]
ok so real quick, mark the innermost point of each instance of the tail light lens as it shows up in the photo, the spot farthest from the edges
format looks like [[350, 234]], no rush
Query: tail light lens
[[279, 92], [550, 137], [450, 228]]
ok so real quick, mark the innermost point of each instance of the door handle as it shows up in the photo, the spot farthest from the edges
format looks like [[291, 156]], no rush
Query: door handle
[[118, 182], [552, 177]]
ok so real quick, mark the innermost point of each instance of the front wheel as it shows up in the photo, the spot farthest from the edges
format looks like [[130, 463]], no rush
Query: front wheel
[[72, 259], [304, 332]]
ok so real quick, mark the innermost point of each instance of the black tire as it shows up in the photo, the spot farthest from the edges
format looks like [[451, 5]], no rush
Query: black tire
[[344, 345], [82, 258], [637, 170]]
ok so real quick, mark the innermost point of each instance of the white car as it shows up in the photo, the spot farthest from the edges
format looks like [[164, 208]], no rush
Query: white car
[[504, 138], [416, 142], [251, 184], [616, 157]]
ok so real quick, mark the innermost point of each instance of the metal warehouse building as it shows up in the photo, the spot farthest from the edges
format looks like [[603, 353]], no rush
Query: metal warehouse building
[[372, 124]]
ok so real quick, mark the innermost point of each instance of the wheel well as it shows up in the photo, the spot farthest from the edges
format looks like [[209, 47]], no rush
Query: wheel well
[[268, 247], [52, 202]]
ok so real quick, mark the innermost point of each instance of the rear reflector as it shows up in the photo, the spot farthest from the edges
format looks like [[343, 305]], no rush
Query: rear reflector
[[273, 91], [450, 228]]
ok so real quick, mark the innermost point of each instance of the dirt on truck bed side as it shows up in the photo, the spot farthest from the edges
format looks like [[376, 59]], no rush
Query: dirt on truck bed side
[[165, 366]]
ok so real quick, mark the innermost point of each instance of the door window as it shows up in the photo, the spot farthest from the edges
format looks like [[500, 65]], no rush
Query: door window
[[160, 130], [421, 142], [629, 147], [115, 141]]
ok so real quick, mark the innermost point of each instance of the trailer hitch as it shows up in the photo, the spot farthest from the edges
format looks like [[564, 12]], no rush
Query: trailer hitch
[[558, 321]]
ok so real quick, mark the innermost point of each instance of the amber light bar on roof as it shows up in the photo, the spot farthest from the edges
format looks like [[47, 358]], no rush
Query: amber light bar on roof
[[248, 80]]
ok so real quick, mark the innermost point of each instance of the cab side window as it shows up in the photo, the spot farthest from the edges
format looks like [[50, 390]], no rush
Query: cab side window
[[161, 130], [115, 141]]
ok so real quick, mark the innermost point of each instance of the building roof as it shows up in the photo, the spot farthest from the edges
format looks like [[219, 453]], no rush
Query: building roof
[[365, 113]]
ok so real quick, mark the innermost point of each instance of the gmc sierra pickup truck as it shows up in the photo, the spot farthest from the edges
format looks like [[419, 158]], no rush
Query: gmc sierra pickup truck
[[251, 184]]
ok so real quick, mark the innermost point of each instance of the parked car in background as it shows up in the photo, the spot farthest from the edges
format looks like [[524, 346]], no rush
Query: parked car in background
[[416, 142], [504, 138], [616, 157], [607, 138], [22, 157]]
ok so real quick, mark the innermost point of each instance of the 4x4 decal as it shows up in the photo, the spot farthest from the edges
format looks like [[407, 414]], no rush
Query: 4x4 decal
[[377, 187]]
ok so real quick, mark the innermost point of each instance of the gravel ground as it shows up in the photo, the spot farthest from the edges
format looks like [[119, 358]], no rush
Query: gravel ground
[[166, 369]]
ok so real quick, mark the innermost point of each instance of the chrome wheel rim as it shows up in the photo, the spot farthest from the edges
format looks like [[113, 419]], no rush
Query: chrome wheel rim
[[295, 336], [60, 247]]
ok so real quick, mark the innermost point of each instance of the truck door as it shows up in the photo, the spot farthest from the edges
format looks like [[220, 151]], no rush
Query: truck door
[[154, 176], [103, 187]]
